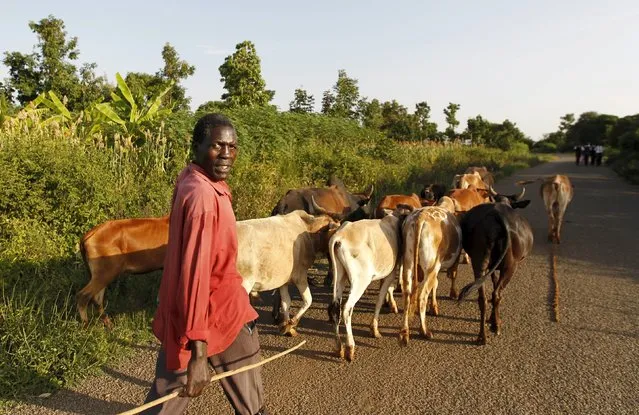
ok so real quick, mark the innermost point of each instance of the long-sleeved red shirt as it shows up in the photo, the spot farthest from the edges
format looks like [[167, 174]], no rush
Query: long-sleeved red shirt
[[201, 293]]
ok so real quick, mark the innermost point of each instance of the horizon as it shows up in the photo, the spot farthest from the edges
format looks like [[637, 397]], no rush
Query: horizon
[[530, 64]]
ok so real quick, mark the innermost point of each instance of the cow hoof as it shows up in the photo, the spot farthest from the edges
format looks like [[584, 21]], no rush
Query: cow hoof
[[340, 351], [394, 309], [108, 324], [375, 333], [481, 340], [434, 311], [289, 330], [349, 354], [403, 338], [453, 294], [428, 335]]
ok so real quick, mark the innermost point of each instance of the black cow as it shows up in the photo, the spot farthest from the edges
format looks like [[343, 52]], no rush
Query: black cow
[[497, 239]]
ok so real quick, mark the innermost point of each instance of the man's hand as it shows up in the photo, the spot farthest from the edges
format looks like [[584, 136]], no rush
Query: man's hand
[[198, 375]]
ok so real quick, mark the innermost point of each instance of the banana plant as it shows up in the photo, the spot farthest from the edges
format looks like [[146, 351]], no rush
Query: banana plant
[[125, 113]]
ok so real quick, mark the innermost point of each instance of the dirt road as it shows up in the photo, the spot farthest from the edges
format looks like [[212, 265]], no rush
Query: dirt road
[[587, 363]]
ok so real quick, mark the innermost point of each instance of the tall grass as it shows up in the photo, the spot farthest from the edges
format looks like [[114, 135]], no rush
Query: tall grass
[[55, 186]]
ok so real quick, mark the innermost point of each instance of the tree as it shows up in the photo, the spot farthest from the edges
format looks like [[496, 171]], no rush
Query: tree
[[478, 130], [370, 113], [302, 102], [566, 122], [451, 113], [426, 130], [397, 122], [342, 101], [51, 68], [175, 71], [242, 76]]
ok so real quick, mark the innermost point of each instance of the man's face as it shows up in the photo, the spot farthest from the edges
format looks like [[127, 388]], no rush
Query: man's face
[[217, 152]]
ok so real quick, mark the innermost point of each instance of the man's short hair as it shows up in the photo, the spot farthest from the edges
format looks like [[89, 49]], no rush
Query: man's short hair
[[206, 124]]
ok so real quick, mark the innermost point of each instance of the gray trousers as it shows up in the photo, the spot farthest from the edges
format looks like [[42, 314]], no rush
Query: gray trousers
[[243, 390]]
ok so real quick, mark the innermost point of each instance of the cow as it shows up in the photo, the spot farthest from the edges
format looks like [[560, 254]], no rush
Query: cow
[[362, 252], [497, 238], [278, 250], [463, 181], [136, 246], [335, 199], [432, 193], [432, 241], [464, 200], [557, 192], [389, 202], [486, 176]]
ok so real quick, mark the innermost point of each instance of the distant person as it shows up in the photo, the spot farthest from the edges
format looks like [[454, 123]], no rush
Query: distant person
[[204, 316], [599, 154], [578, 150]]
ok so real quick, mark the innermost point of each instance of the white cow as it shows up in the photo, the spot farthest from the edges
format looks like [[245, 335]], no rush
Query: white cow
[[278, 250], [362, 252]]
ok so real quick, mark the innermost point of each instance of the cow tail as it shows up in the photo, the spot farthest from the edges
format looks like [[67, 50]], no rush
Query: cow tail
[[335, 308], [480, 281], [414, 293]]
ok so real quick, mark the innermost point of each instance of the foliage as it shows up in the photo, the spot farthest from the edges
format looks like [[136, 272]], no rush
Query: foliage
[[51, 68], [504, 136], [302, 102], [127, 116], [242, 76], [342, 100], [451, 119], [370, 113]]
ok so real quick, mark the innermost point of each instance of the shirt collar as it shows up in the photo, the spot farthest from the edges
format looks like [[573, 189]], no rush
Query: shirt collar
[[221, 187]]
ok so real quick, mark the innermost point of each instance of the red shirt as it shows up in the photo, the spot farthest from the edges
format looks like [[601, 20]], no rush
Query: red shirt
[[201, 293]]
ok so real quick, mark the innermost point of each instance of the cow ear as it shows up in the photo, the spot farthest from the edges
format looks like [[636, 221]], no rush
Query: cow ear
[[520, 204]]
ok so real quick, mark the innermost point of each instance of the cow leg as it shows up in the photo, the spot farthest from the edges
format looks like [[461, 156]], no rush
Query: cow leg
[[481, 300], [384, 289], [430, 285], [277, 307], [99, 300], [551, 226], [286, 306], [358, 286], [451, 273], [560, 221], [504, 277], [407, 289], [307, 299]]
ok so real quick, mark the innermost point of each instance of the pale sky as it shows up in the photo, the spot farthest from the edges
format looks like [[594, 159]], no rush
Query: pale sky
[[530, 63]]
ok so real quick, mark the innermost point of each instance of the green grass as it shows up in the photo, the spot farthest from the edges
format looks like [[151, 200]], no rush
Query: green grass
[[56, 186]]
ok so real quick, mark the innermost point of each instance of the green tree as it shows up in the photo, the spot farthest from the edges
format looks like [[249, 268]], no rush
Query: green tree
[[370, 113], [426, 130], [451, 119], [343, 99], [51, 68], [302, 102], [397, 121], [242, 76], [478, 130]]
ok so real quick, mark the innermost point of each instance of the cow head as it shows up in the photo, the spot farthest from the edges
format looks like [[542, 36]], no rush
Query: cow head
[[317, 210], [432, 192], [513, 201]]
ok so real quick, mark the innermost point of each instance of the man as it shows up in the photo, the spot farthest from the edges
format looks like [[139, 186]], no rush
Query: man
[[599, 154], [577, 153], [204, 315]]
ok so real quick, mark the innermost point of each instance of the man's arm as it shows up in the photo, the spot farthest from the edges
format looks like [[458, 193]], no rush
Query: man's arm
[[193, 298]]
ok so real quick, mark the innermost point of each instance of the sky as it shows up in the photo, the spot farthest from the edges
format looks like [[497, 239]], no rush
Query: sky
[[529, 62]]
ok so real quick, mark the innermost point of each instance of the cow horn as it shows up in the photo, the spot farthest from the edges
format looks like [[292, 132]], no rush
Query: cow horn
[[492, 191], [369, 193], [317, 209], [520, 195]]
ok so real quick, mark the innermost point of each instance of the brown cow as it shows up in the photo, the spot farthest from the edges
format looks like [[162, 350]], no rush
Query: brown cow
[[111, 248], [432, 192], [389, 203]]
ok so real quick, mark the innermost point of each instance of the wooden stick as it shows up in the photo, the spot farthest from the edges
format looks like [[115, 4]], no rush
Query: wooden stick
[[216, 377]]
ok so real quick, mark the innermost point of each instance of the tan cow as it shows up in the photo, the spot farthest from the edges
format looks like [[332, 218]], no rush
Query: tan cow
[[486, 176], [362, 252], [557, 192], [433, 239], [278, 250], [463, 181]]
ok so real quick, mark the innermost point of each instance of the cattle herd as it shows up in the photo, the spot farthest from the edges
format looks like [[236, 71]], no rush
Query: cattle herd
[[404, 242]]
